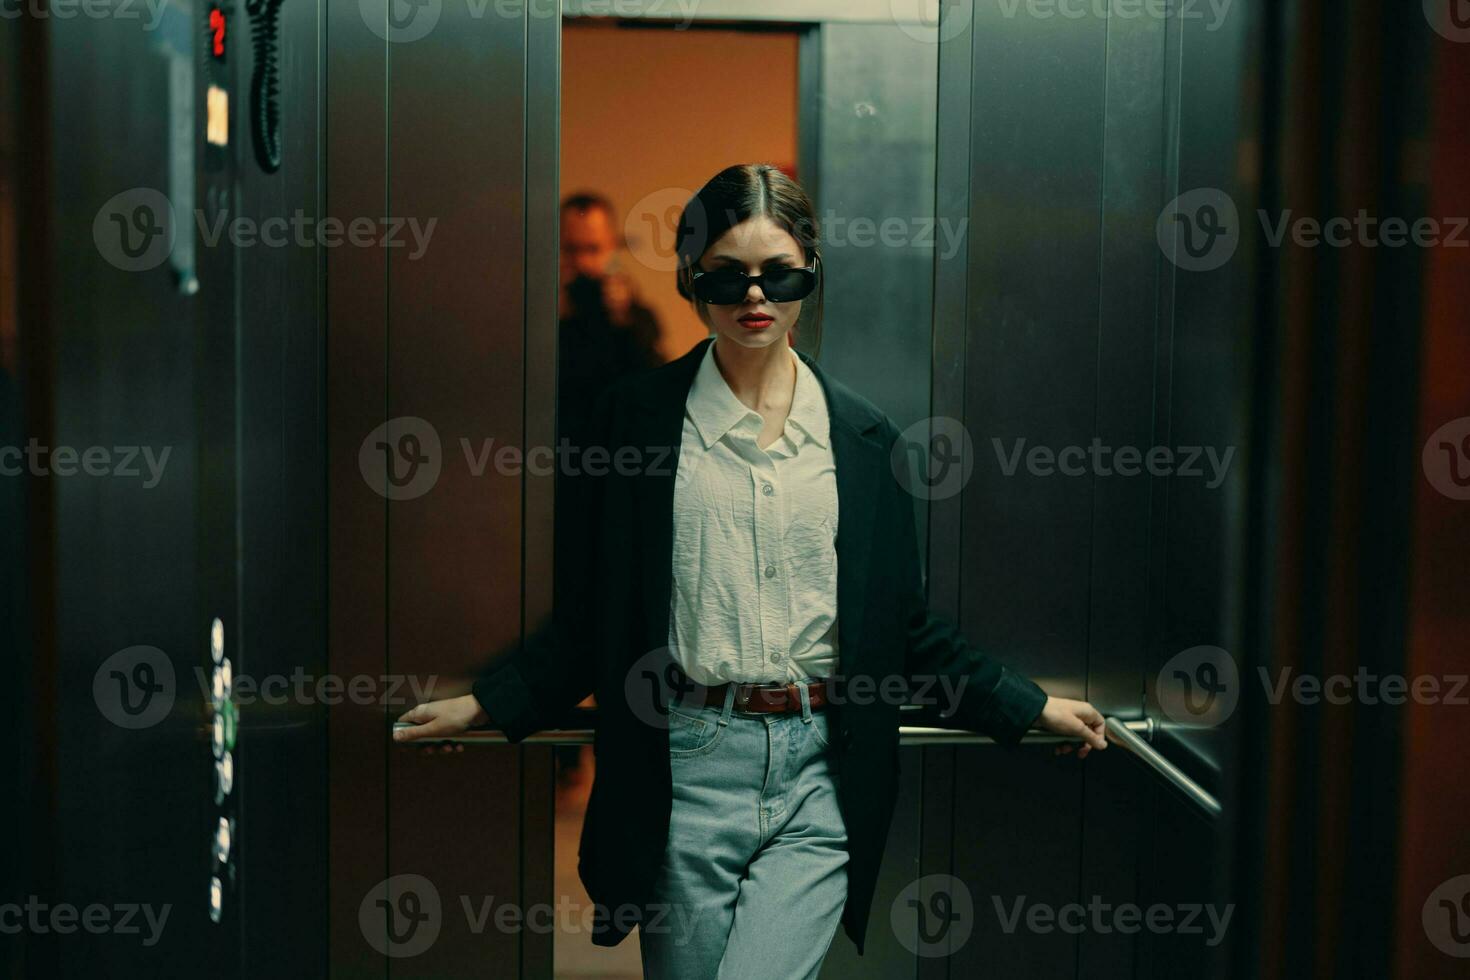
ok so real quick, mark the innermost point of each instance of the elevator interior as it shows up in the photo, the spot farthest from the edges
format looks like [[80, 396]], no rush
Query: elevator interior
[[1037, 292]]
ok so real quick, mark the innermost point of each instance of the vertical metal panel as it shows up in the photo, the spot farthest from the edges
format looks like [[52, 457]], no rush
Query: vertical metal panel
[[24, 752], [429, 129], [455, 355], [877, 105], [1176, 866], [148, 365], [1132, 195], [1016, 847], [26, 583], [542, 296], [942, 769], [1031, 371], [809, 111], [1202, 364], [282, 830], [1117, 833], [128, 803], [1133, 163], [1198, 563], [542, 244], [876, 101], [1212, 313], [953, 142], [357, 351], [1030, 374], [940, 824], [220, 470]]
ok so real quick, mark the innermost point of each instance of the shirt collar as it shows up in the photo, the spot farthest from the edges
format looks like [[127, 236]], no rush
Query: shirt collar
[[808, 405], [715, 410]]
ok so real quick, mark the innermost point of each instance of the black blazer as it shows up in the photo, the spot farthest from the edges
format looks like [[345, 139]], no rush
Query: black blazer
[[613, 609]]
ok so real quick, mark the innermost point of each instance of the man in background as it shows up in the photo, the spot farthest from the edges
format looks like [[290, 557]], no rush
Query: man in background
[[605, 333]]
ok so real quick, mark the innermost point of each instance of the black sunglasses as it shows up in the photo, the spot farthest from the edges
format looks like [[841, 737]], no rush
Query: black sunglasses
[[728, 286]]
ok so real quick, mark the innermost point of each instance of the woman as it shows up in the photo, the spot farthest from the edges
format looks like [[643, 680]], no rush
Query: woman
[[755, 556]]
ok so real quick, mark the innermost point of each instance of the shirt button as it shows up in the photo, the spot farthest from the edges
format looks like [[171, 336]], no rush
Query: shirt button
[[775, 658], [767, 489], [770, 571]]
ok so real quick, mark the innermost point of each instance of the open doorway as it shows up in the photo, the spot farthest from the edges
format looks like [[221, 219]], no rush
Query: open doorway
[[648, 113]]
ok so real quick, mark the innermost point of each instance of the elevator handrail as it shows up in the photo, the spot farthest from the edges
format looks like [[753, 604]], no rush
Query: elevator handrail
[[1132, 736], [1125, 735], [907, 735]]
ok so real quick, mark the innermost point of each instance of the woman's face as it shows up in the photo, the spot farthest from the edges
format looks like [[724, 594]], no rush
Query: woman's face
[[755, 246]]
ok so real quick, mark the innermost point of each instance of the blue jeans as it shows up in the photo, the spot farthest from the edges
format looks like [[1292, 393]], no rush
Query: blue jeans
[[754, 877]]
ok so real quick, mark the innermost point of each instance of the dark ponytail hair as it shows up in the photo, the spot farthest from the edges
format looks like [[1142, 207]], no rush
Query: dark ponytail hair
[[737, 194]]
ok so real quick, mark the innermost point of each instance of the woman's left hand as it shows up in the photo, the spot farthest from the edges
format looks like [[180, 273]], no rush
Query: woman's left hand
[[1077, 719]]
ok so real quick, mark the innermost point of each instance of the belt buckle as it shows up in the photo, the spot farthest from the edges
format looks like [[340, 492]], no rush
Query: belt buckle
[[751, 698], [759, 698]]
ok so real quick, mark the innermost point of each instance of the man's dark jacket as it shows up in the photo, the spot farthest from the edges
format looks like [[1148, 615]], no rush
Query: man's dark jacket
[[615, 610]]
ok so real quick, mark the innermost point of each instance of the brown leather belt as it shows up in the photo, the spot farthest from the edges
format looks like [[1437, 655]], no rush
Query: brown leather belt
[[769, 698]]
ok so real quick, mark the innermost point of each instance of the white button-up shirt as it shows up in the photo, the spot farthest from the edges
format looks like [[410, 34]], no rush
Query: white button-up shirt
[[754, 595]]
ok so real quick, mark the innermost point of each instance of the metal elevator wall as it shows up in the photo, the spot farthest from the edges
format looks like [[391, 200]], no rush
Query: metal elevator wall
[[208, 347], [428, 124], [1059, 320], [1080, 132]]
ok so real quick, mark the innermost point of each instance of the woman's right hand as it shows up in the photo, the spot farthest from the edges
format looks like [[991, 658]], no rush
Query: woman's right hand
[[440, 719]]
